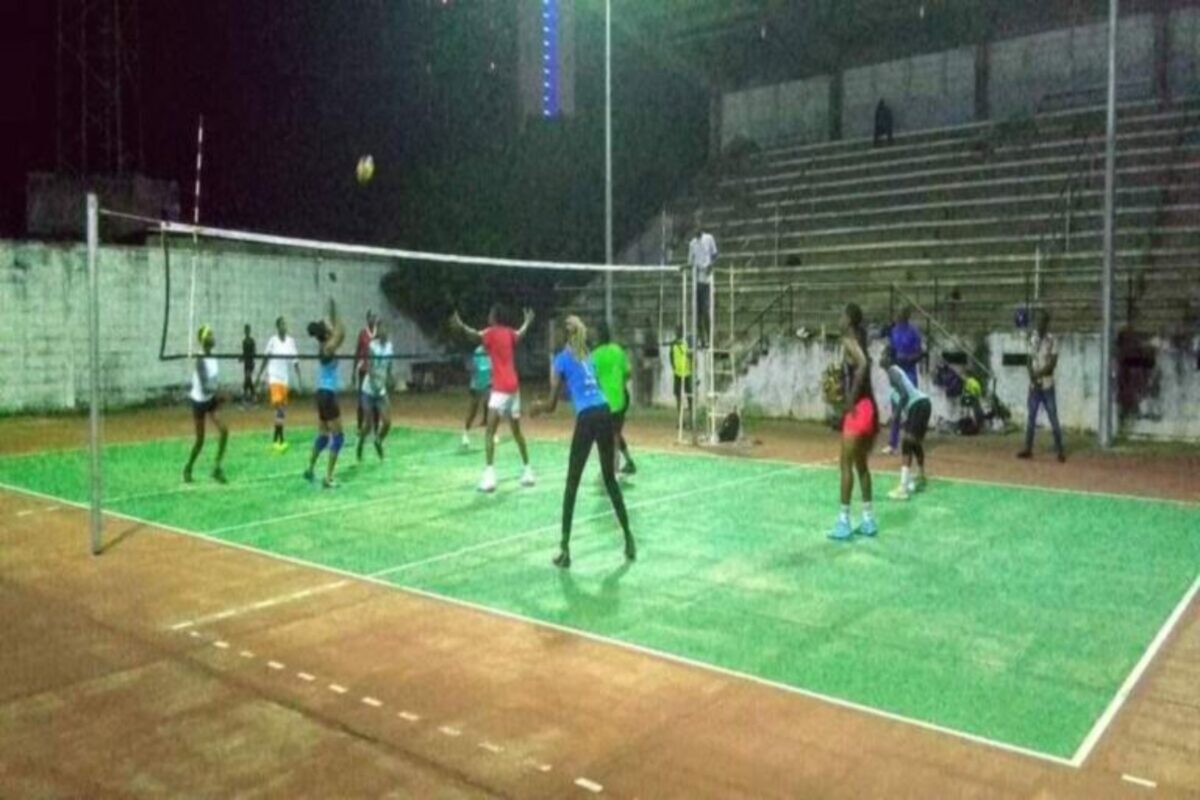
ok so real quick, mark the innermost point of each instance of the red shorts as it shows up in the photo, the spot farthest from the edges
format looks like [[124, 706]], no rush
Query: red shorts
[[861, 420]]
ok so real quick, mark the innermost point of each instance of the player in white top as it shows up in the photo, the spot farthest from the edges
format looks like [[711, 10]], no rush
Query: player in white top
[[702, 255], [281, 349], [377, 383], [205, 401], [1043, 360]]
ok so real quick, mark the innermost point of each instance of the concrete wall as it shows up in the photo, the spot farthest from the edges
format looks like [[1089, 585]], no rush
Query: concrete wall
[[1183, 65], [938, 89], [798, 110], [1026, 70], [787, 383], [43, 302], [929, 91]]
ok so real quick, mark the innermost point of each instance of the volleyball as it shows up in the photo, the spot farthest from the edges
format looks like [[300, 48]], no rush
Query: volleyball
[[365, 170]]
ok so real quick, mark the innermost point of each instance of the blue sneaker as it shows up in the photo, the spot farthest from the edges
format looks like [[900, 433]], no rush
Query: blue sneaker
[[869, 527], [841, 530]]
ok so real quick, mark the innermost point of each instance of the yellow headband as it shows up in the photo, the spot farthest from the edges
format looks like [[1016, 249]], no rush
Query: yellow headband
[[204, 333]]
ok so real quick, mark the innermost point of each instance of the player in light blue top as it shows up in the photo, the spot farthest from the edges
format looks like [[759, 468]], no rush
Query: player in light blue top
[[915, 409], [481, 387], [573, 373], [329, 334]]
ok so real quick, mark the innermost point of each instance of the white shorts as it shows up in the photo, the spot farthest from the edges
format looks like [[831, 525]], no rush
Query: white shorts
[[508, 405]]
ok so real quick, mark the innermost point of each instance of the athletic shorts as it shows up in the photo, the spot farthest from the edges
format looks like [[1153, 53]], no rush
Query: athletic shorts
[[377, 403], [327, 406], [861, 420], [199, 409], [279, 394], [916, 423], [682, 385], [506, 404]]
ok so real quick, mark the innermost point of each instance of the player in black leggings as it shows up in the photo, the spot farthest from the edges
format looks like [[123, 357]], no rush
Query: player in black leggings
[[593, 425]]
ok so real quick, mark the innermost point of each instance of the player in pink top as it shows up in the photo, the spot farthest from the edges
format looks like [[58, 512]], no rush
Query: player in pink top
[[501, 341]]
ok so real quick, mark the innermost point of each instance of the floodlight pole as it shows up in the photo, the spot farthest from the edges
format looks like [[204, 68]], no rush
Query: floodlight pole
[[1105, 425], [608, 165], [95, 519]]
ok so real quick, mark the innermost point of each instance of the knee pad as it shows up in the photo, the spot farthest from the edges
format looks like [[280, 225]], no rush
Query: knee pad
[[322, 442], [338, 440]]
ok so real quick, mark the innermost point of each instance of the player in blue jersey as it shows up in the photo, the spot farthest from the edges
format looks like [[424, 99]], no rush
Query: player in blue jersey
[[329, 333], [574, 373]]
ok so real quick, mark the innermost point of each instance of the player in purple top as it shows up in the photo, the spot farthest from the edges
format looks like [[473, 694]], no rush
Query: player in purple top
[[907, 351]]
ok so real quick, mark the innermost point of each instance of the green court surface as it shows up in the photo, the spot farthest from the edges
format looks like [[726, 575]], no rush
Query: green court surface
[[1005, 613]]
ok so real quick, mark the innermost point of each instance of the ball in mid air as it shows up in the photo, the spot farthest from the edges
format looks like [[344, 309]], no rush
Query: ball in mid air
[[365, 170]]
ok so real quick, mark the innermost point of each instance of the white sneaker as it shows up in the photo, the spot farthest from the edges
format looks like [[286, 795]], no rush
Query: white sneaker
[[488, 482], [887, 451], [527, 478], [899, 493], [466, 442]]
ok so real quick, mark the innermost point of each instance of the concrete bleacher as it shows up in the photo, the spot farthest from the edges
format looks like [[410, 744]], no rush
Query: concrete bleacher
[[956, 218]]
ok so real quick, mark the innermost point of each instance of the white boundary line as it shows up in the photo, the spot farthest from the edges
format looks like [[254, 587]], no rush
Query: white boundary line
[[1139, 781], [1076, 761], [1114, 706]]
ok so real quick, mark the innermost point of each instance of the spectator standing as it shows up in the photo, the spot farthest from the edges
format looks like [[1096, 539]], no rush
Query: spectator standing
[[702, 255], [907, 350], [1043, 360]]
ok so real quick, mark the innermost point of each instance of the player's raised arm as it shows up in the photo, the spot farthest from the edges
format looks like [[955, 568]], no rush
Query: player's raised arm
[[457, 322], [526, 323]]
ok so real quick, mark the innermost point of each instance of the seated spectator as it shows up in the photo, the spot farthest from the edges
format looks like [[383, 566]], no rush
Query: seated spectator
[[883, 122]]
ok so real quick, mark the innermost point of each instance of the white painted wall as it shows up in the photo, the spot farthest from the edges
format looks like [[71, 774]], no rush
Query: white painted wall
[[787, 383], [43, 303]]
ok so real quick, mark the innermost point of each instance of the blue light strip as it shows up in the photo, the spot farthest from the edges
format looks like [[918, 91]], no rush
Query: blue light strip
[[549, 58]]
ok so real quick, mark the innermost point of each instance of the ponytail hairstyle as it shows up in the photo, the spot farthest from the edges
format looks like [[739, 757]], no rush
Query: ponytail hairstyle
[[577, 337], [854, 316]]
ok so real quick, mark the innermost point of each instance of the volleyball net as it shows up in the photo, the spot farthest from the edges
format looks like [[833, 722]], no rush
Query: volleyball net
[[147, 305]]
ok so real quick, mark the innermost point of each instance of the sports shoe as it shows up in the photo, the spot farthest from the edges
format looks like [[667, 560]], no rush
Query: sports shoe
[[628, 468], [630, 549], [841, 530], [899, 493], [308, 475], [187, 474], [562, 560], [868, 527], [1025, 454], [379, 449], [1062, 457], [329, 483], [488, 482], [466, 442], [218, 475], [527, 478], [282, 447], [887, 451]]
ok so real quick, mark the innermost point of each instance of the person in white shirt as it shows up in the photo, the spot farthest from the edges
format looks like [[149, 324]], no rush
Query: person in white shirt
[[1043, 359], [205, 401], [377, 383], [702, 255], [281, 353]]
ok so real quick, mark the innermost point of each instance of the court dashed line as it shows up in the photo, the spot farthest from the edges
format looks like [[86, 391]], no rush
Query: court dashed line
[[449, 731], [26, 513], [1143, 782], [589, 785]]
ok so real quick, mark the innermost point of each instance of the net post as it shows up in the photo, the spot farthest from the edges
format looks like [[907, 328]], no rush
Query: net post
[[95, 517]]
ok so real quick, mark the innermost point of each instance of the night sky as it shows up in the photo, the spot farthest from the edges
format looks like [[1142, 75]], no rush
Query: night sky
[[292, 93]]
